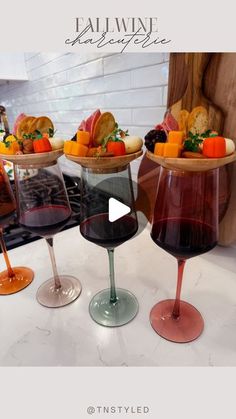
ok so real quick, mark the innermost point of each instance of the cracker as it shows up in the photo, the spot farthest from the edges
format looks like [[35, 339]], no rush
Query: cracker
[[198, 120], [103, 127], [183, 121], [24, 127], [42, 124]]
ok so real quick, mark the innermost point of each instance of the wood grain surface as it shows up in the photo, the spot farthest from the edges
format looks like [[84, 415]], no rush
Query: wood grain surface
[[191, 165], [34, 158], [105, 163], [220, 85], [195, 65]]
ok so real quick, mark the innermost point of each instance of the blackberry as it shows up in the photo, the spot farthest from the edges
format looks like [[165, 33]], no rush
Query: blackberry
[[154, 136]]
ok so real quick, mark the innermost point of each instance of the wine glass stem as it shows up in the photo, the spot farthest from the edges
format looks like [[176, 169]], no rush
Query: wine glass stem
[[4, 250], [113, 297], [176, 308], [49, 241]]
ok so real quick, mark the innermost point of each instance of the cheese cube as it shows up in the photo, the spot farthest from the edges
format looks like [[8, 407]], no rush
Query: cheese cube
[[159, 149], [171, 150], [83, 137], [176, 137]]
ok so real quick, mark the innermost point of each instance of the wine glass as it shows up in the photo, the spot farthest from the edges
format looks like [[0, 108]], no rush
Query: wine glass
[[113, 306], [13, 279], [44, 209], [185, 224]]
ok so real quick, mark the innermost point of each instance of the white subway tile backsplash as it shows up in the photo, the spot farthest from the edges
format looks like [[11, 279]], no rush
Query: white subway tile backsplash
[[122, 116], [69, 87], [165, 95], [166, 56], [134, 98], [88, 102], [122, 62], [116, 82], [156, 75], [85, 71], [29, 55], [150, 116], [68, 117], [137, 130], [41, 59]]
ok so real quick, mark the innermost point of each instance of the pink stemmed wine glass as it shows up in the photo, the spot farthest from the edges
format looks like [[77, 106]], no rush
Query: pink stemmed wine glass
[[185, 224], [44, 209]]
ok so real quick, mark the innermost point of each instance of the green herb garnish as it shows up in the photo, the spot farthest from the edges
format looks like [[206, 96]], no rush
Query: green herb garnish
[[194, 140], [33, 136]]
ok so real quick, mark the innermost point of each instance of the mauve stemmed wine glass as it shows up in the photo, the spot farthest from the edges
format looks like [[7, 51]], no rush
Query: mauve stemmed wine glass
[[44, 209], [112, 306], [185, 224]]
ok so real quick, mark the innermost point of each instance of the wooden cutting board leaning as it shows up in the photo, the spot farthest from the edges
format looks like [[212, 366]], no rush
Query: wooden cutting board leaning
[[208, 80]]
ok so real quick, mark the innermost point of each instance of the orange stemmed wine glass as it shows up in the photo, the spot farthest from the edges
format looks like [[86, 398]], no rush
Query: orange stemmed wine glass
[[12, 279]]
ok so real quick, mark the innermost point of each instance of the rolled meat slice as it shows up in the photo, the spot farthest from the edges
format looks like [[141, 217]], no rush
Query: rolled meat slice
[[169, 123], [89, 124]]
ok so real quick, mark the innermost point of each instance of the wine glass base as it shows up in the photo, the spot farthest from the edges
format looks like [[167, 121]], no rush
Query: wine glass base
[[185, 328], [109, 314], [70, 290], [23, 277]]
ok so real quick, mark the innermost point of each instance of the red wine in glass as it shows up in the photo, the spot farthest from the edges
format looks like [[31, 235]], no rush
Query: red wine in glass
[[185, 224], [46, 220], [184, 238], [99, 230]]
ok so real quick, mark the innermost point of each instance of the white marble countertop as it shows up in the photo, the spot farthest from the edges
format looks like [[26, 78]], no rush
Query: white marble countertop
[[32, 335]]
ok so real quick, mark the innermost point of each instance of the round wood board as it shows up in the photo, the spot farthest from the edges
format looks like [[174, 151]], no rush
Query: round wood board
[[191, 165], [34, 158], [104, 163]]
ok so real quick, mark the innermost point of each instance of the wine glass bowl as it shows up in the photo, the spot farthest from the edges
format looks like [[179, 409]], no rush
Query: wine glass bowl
[[13, 279], [185, 224], [44, 209], [114, 306]]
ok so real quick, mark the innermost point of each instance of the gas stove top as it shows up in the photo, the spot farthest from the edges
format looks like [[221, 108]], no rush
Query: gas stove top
[[16, 236]]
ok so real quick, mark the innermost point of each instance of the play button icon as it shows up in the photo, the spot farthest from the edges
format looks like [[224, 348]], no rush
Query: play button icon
[[117, 209], [113, 205]]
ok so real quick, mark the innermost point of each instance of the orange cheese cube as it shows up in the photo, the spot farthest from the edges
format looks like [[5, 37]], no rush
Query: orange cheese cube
[[83, 137], [75, 149], [68, 146], [79, 150], [176, 137], [167, 149], [159, 149], [171, 150]]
